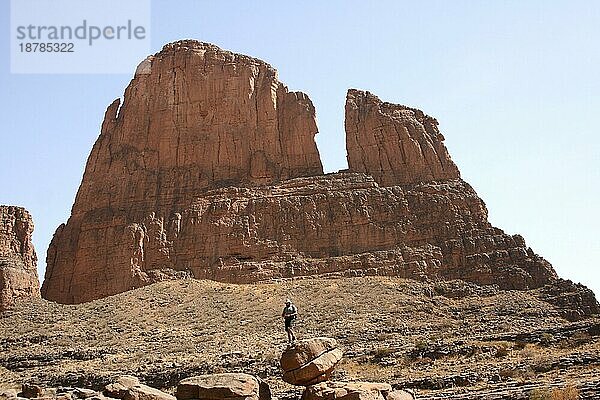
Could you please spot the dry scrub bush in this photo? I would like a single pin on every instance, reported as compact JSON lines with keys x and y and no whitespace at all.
{"x":547,"y":339}
{"x":566,"y":393}
{"x":382,"y":351}
{"x":522,"y":374}
{"x":542,"y":363}
{"x":530,"y":351}
{"x":502,"y":349}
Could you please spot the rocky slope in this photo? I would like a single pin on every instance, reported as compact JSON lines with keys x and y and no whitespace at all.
{"x":18,"y":261}
{"x":444,"y":340}
{"x":209,"y":169}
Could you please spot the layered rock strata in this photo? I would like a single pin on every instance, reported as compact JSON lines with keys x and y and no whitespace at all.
{"x":193,"y":117}
{"x":344,"y":224}
{"x":209,"y":169}
{"x":18,"y":261}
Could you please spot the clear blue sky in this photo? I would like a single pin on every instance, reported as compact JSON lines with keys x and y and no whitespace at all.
{"x":515,"y":86}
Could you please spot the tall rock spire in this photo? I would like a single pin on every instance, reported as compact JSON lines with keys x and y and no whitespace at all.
{"x":18,"y":261}
{"x":394,"y":144}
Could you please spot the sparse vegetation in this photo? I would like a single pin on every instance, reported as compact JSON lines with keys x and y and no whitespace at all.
{"x":173,"y":329}
{"x":567,"y":393}
{"x":382,"y":352}
{"x":502,"y":349}
{"x":530,"y":351}
{"x":580,"y":339}
{"x":542,"y":363}
{"x":547,"y":339}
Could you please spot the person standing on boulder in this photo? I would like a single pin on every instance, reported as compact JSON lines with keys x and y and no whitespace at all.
{"x":289,"y":314}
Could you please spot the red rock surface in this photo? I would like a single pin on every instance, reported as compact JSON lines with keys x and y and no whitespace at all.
{"x":209,"y":169}
{"x":18,"y":262}
{"x":341,"y":224}
{"x":193,"y":117}
{"x":310,"y":361}
{"x":394,"y":144}
{"x":223,"y":386}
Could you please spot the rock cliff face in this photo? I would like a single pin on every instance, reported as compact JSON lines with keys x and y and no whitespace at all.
{"x":394,"y":144}
{"x":341,"y":223}
{"x":209,"y":169}
{"x":193,"y":117}
{"x":18,"y":262}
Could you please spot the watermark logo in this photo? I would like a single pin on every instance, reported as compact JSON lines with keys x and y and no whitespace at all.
{"x":79,"y":36}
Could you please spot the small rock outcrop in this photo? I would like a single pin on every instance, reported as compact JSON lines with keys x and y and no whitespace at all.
{"x":310,"y":361}
{"x":400,"y":395}
{"x":354,"y":391}
{"x":18,"y":261}
{"x":574,"y":300}
{"x":395,"y":144}
{"x":31,"y":391}
{"x":227,"y":386}
{"x":129,"y":387}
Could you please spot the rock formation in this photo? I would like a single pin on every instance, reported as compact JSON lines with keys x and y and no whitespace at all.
{"x":226,"y":386}
{"x":348,"y":391}
{"x":129,"y":388}
{"x":354,"y":391}
{"x":209,"y":169}
{"x":18,"y":262}
{"x":310,"y":361}
{"x":395,"y":144}
{"x":193,"y":117}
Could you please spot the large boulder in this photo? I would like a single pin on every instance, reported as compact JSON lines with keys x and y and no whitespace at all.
{"x":310,"y":361}
{"x":30,"y":391}
{"x":400,"y":395}
{"x":228,"y":386}
{"x":128,"y":387}
{"x":348,"y":391}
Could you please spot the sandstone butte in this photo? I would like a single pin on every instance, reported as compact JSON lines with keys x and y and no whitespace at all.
{"x":209,"y":169}
{"x":18,"y":261}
